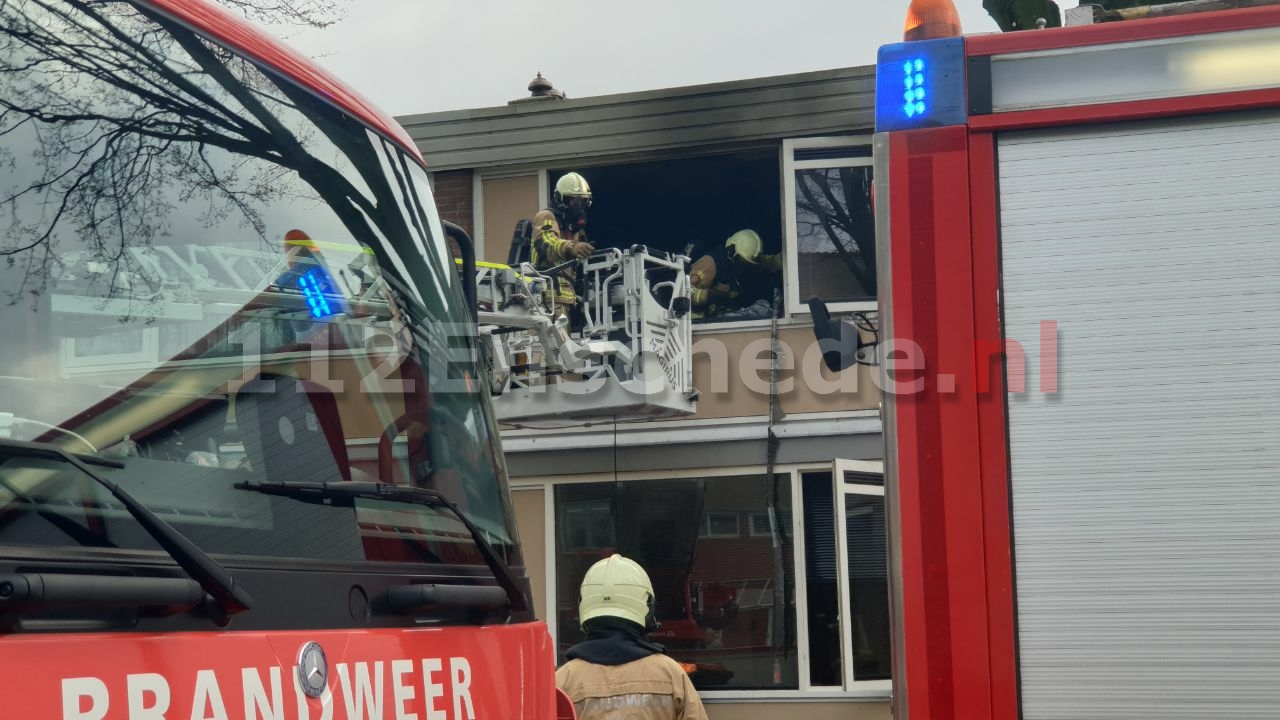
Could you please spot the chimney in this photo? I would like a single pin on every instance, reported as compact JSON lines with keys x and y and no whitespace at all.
{"x":540,"y":89}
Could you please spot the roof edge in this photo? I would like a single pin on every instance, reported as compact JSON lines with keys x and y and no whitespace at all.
{"x":594,"y":101}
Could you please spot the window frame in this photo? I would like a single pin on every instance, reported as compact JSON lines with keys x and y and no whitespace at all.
{"x":794,"y":308}
{"x":865,"y":690}
{"x":707,"y":532}
{"x":751,"y":525}
{"x":795,"y":305}
{"x":843,"y":489}
{"x":586,"y":508}
{"x":543,"y":173}
{"x":75,"y":364}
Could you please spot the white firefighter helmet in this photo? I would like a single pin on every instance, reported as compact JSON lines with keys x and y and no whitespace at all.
{"x":572,"y":185}
{"x":745,"y":244}
{"x":616,"y":587}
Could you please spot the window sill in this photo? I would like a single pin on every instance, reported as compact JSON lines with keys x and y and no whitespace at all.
{"x":798,"y":319}
{"x":748,"y":325}
{"x":846,"y":307}
{"x":711,"y":697}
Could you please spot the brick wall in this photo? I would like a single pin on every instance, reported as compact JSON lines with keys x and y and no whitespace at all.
{"x":453,"y":198}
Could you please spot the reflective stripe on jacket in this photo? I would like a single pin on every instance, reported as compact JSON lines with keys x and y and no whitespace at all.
{"x":549,"y":248}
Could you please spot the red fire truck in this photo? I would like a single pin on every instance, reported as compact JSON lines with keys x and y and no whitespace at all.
{"x":1080,"y":288}
{"x":247,"y":469}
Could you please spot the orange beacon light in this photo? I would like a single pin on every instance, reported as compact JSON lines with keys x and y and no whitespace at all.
{"x":931,"y":20}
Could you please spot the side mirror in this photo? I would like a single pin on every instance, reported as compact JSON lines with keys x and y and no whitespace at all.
{"x":468,"y":250}
{"x":842,"y":344}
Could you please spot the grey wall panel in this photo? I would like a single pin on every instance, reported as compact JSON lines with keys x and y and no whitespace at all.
{"x":1146,"y":492}
{"x":721,"y":114}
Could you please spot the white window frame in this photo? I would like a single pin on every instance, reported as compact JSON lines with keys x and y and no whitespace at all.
{"x":842,"y":490}
{"x":477,"y":212}
{"x":795,"y":304}
{"x":146,"y":358}
{"x":751,"y":525}
{"x":858,"y":690}
{"x":586,"y":508}
{"x":705,"y":531}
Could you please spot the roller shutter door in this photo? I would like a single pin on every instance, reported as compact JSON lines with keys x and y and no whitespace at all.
{"x":1146,"y":492}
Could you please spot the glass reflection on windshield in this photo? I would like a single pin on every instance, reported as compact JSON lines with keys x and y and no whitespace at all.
{"x":216,"y":277}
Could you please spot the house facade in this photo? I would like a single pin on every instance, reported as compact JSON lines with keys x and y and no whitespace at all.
{"x":760,"y":517}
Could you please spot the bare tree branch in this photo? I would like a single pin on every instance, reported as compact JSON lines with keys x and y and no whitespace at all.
{"x":121,"y":113}
{"x":316,"y":14}
{"x":833,"y":217}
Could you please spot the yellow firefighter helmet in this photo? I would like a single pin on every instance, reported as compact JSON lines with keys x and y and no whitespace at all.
{"x":745,"y":244}
{"x":616,"y":587}
{"x":572,"y":185}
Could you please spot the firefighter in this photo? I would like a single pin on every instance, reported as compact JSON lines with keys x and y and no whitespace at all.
{"x":734,"y":277}
{"x":560,"y":235}
{"x":719,"y":608}
{"x":616,"y":673}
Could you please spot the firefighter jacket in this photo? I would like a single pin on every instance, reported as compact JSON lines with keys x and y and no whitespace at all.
{"x":550,"y":247}
{"x":734,"y":284}
{"x":651,"y":688}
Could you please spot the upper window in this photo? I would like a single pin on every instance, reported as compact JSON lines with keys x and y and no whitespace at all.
{"x":586,"y":525}
{"x":693,"y":206}
{"x":761,"y":526}
{"x":829,"y":224}
{"x":720,"y":525}
{"x":811,"y":212}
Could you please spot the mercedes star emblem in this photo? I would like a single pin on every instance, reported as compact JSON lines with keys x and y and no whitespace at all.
{"x":313,"y":670}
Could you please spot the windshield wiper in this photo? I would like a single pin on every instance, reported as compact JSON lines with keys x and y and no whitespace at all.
{"x":212,"y":577}
{"x":404,"y":494}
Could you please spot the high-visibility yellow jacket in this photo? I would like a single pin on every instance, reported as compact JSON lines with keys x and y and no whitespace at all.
{"x":550,"y":247}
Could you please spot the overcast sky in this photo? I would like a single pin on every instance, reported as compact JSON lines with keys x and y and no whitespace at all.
{"x":416,"y":56}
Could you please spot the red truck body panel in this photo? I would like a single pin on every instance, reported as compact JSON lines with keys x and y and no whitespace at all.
{"x":958,"y":652}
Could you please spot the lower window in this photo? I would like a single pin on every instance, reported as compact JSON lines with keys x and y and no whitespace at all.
{"x":722,"y":554}
{"x":724,"y":595}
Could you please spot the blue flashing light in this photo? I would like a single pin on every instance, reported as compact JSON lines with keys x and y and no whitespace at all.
{"x":916,"y":89}
{"x":933,"y":85}
{"x":313,"y":284}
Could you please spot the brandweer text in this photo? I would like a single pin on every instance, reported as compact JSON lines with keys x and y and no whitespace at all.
{"x":429,"y":689}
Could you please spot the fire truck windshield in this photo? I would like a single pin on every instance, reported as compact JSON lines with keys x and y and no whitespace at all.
{"x":213,"y":277}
